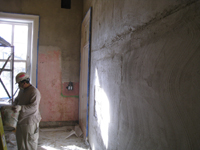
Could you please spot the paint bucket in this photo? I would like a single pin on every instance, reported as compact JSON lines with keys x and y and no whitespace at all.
{"x":9,"y":118}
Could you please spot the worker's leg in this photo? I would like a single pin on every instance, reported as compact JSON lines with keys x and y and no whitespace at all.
{"x":27,"y":136}
{"x":20,"y":137}
{"x":33,"y":135}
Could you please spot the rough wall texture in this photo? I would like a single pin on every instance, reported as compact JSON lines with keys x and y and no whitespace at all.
{"x":54,"y":106}
{"x":59,"y":46}
{"x":145,"y":76}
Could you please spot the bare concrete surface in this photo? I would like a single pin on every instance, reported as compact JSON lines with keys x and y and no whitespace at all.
{"x":145,"y":81}
{"x":62,"y":138}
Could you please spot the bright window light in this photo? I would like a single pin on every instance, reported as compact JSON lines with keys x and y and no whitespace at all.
{"x":21,"y":41}
{"x":49,"y":147}
{"x":93,"y":147}
{"x":73,"y":147}
{"x":69,"y":147}
{"x":102,"y":110}
{"x":6,"y":32}
{"x":21,"y":31}
{"x":16,"y":34}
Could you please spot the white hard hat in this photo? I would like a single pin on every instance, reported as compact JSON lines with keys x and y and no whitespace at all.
{"x":21,"y":76}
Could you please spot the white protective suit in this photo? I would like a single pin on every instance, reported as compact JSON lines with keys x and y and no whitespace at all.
{"x":27,"y":132}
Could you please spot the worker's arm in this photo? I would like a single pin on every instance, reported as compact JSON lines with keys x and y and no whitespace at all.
{"x":16,"y":107}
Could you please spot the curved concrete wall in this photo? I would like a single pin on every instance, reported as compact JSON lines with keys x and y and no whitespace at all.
{"x":145,"y":75}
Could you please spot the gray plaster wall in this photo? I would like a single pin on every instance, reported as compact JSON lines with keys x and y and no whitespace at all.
{"x":145,"y":61}
{"x":59,"y":28}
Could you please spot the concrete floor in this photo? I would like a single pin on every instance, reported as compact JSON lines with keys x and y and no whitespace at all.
{"x":52,"y":139}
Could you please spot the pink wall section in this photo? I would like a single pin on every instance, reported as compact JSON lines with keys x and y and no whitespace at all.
{"x":54,"y":105}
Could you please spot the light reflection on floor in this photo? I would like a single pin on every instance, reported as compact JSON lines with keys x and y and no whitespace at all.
{"x":70,"y":147}
{"x":56,"y":140}
{"x":53,"y":140}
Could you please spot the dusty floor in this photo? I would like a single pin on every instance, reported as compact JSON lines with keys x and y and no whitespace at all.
{"x":62,"y":138}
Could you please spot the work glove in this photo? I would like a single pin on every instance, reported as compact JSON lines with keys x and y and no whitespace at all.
{"x":17,"y":108}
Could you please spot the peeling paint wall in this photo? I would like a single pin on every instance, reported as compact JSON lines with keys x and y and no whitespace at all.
{"x":54,"y":105}
{"x":58,"y":56}
{"x":145,"y":80}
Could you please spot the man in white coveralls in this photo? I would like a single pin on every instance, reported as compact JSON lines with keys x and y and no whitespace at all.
{"x":27,"y":103}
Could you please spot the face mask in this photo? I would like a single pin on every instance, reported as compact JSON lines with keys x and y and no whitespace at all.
{"x":20,"y":86}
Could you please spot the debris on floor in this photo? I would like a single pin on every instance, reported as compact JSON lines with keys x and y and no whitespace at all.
{"x":61,"y":138}
{"x":11,"y":140}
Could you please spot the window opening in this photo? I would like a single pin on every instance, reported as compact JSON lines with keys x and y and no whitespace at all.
{"x":21,"y":31}
{"x":17,"y":35}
